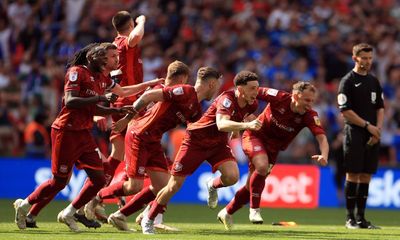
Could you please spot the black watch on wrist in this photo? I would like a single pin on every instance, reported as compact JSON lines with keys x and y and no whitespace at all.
{"x":366,"y":124}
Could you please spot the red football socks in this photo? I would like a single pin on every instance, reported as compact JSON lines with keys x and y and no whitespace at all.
{"x":257,"y":184}
{"x":138,"y":202}
{"x":241,"y":198}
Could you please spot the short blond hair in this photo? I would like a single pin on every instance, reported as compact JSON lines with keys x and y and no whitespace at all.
{"x":177,"y":68}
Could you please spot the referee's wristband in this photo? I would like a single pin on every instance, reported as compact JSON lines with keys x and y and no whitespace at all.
{"x":366,"y":124}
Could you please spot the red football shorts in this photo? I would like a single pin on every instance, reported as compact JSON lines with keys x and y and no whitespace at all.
{"x":141,"y":156}
{"x":191,"y":155}
{"x":253,"y":146}
{"x":73,"y":147}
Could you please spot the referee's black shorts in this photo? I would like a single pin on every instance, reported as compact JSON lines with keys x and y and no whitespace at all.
{"x":358,"y":157}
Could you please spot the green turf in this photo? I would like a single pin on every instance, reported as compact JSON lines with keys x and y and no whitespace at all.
{"x":199,"y":222}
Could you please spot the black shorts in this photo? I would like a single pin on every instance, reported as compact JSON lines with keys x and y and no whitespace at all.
{"x":358,"y":156}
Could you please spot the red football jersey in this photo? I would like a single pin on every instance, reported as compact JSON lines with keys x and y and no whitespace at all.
{"x":130,"y":63}
{"x":180,"y":105}
{"x":279,"y":124}
{"x":206,"y":131}
{"x":88,"y":84}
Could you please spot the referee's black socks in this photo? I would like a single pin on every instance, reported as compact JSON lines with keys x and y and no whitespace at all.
{"x":350,"y":191}
{"x":362,"y":195}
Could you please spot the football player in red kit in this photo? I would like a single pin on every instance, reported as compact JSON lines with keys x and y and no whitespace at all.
{"x":176,"y":103}
{"x":72,"y":142}
{"x":207,"y":139}
{"x":283,"y":118}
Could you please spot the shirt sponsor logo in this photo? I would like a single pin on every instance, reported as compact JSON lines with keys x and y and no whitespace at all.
{"x":227,"y":103}
{"x":73,"y":76}
{"x":178,"y":91}
{"x":279,"y":125}
{"x":341,"y":99}
{"x":91,"y":92}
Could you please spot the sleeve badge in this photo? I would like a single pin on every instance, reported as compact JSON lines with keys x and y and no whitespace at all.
{"x":73,"y":76}
{"x":341,"y":99}
{"x":227,"y":103}
{"x":178,"y":91}
{"x":272,"y":92}
{"x":317,"y":121}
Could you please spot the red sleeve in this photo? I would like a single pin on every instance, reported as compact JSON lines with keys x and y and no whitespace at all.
{"x":179,"y":93}
{"x":270,"y":94}
{"x":73,"y":79}
{"x":225,"y":105}
{"x":313,"y":123}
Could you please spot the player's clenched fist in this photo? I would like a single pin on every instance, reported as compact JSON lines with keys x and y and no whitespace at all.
{"x":140,"y":19}
{"x":255,"y":125}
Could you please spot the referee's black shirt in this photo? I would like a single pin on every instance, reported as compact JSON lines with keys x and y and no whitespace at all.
{"x":362,"y":94}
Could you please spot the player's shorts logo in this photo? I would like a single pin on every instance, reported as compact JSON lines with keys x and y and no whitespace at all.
{"x":178,"y":167}
{"x":63,"y":168}
{"x":141,"y":170}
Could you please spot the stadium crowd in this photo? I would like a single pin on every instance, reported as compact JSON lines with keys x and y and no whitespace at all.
{"x":282,"y":41}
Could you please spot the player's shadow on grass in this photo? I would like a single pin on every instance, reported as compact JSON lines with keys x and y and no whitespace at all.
{"x":288,"y":233}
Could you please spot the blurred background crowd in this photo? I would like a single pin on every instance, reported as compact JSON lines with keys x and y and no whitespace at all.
{"x":282,"y":41}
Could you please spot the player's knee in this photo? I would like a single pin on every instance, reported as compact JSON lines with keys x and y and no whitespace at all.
{"x":262,"y":169}
{"x":134,"y":187}
{"x":230,"y":179}
{"x":157,"y":187}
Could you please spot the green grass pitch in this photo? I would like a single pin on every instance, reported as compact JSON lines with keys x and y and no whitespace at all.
{"x":199,"y":222}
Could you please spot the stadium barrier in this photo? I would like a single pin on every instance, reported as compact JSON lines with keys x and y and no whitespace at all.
{"x":288,"y":186}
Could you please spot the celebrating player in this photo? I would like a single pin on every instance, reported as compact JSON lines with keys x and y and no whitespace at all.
{"x":207,"y":139}
{"x":283,"y":118}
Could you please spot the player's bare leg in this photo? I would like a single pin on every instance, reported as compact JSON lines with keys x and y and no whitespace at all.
{"x":160,"y":203}
{"x":229,"y":176}
{"x":110,"y":165}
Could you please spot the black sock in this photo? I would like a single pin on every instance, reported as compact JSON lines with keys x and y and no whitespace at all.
{"x":362,"y":195}
{"x":350,"y":189}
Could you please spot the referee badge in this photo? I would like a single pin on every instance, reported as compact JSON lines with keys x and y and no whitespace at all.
{"x":341,"y":99}
{"x":373,"y":97}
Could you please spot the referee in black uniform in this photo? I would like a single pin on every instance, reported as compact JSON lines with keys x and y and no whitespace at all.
{"x":360,"y":100}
